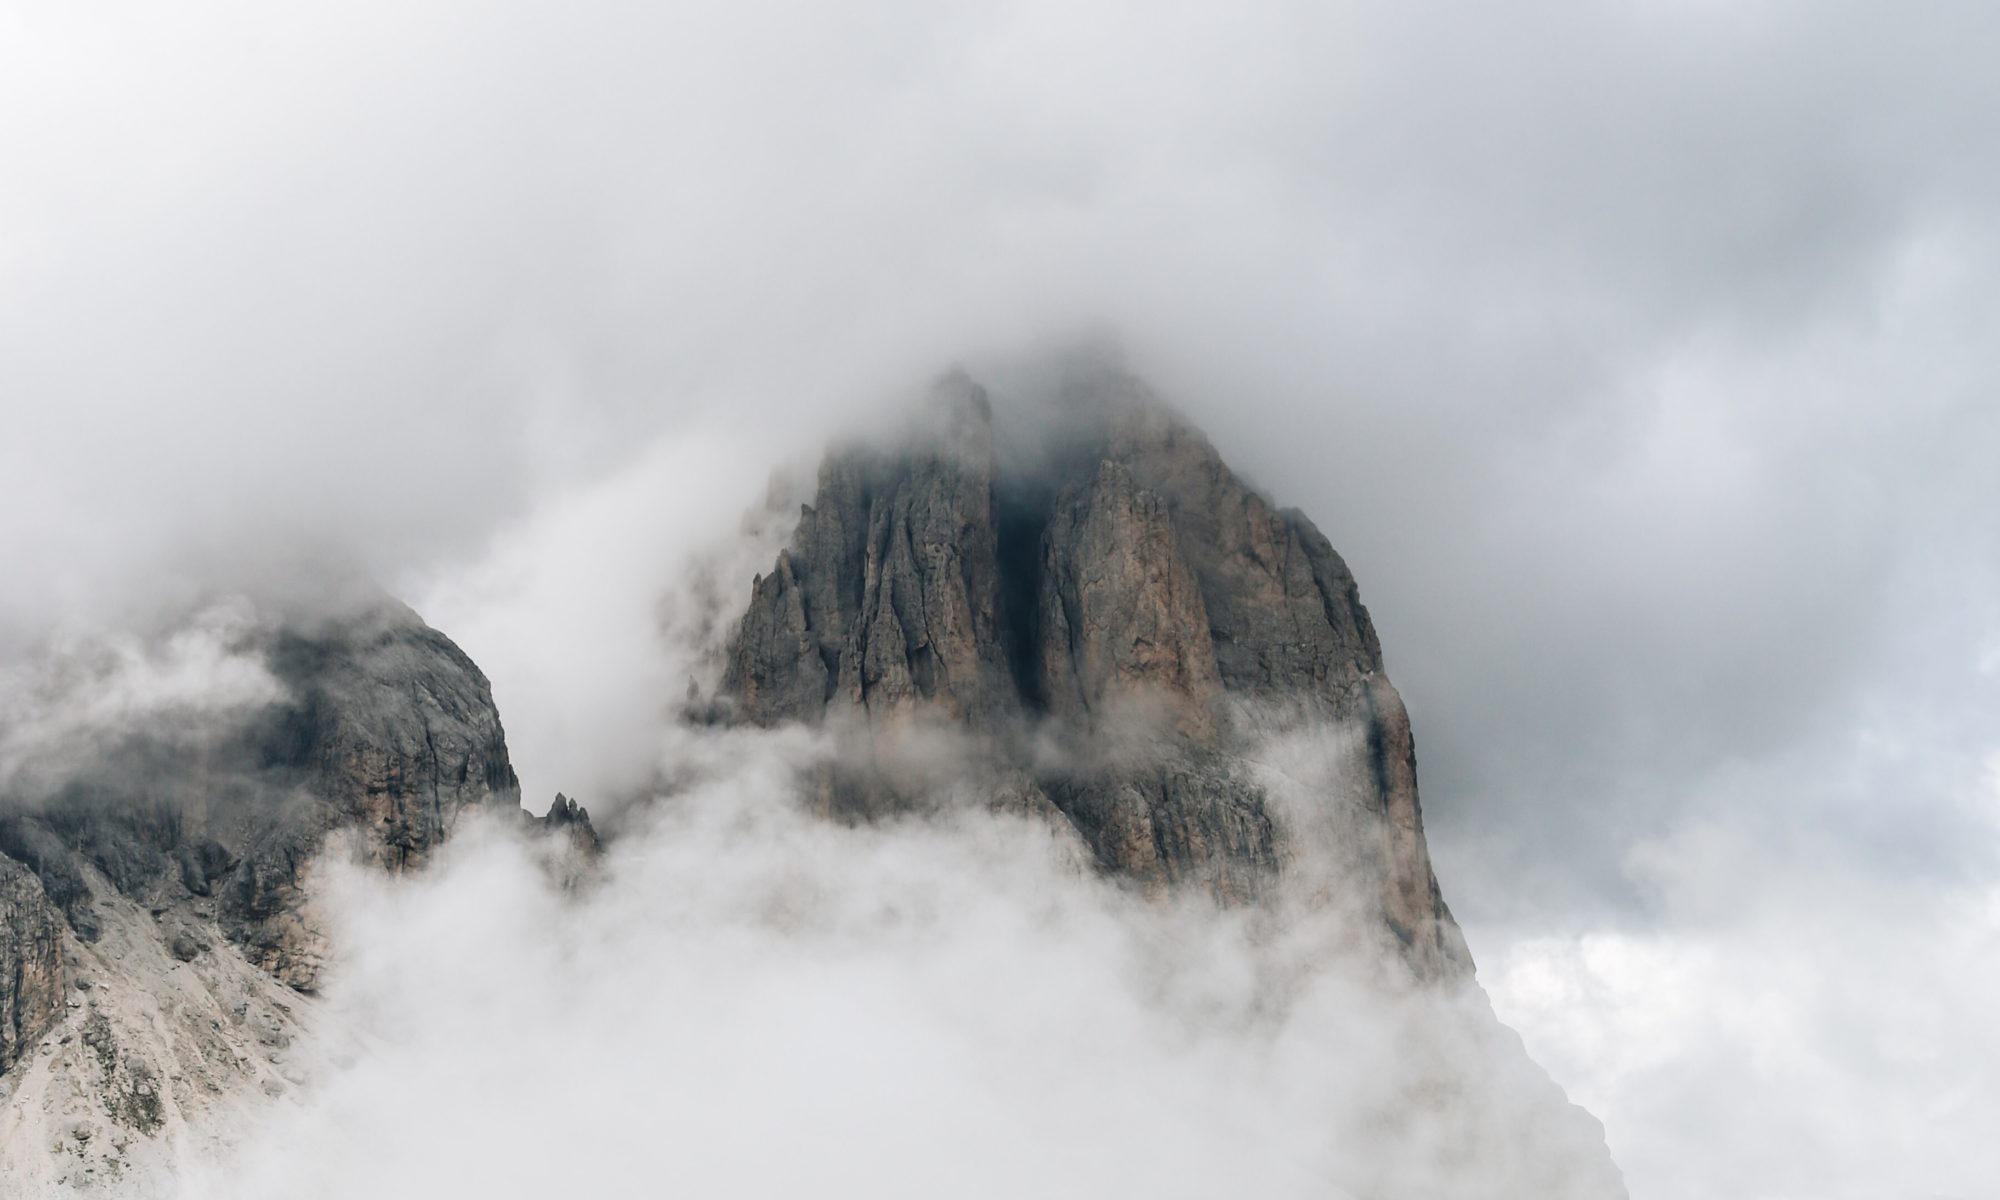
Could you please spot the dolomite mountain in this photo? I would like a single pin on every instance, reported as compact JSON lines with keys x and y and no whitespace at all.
{"x":1093,"y":620}
{"x":1116,"y":585}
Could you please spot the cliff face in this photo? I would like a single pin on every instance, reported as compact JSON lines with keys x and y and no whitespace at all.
{"x":390,"y":733}
{"x":1120,"y":591}
{"x":32,"y":982}
{"x":889,"y":600}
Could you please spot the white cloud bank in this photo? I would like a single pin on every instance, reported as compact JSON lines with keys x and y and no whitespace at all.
{"x":753,"y":1002}
{"x":1793,"y":1024}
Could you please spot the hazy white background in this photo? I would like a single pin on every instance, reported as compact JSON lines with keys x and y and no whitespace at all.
{"x":1639,"y":357}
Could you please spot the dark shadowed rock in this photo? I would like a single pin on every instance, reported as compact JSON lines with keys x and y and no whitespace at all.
{"x":184,"y":945}
{"x":571,"y":820}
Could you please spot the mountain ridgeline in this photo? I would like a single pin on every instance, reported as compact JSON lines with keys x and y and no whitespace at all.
{"x":1114,"y":591}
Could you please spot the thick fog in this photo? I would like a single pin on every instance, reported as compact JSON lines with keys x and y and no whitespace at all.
{"x":748,"y":1000}
{"x":1639,"y":359}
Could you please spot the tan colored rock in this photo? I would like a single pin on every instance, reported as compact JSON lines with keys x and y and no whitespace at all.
{"x":1122,"y":625}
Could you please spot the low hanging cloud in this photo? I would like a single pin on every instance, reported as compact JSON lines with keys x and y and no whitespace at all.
{"x":1628,"y":355}
{"x":1795,"y":1024}
{"x":752,"y":1000}
{"x":89,"y":692}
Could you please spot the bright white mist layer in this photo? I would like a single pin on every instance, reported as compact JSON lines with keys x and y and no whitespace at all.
{"x":753,"y":1002}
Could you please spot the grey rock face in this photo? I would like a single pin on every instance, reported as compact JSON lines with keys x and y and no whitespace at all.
{"x":387,"y":733}
{"x":1126,"y":591}
{"x":31,"y":963}
{"x":392,"y":726}
{"x":889,"y":599}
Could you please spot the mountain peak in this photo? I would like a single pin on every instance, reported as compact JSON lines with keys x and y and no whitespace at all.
{"x":1103,"y":581}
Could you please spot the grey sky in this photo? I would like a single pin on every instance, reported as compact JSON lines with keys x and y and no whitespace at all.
{"x":1639,"y":357}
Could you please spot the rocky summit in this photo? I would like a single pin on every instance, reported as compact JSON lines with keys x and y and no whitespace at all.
{"x":1118,"y":622}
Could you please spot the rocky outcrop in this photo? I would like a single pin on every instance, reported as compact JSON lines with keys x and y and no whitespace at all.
{"x":31,"y":964}
{"x":1117,"y":592}
{"x":571,"y":820}
{"x":386,"y":735}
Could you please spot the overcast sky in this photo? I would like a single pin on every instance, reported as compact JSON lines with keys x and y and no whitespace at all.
{"x":1639,"y":357}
